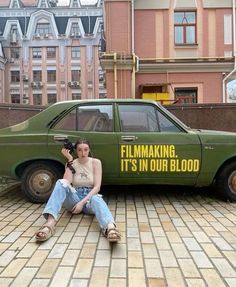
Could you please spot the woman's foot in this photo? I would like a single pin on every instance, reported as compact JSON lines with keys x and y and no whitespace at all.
{"x":112,"y":233}
{"x":45,"y":232}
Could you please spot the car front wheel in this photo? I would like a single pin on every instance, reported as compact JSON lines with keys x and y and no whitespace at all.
{"x":38,"y":180}
{"x":226,"y":182}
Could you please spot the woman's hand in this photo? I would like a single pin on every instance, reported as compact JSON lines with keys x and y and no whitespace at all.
{"x":66,"y":153}
{"x":77,"y":208}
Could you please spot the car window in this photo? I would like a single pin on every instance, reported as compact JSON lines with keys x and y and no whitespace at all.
{"x":96,"y":118}
{"x":138,"y":118}
{"x":165,"y":124}
{"x":144,"y":118}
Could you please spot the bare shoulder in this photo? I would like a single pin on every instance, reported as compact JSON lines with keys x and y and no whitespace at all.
{"x":96,"y":162}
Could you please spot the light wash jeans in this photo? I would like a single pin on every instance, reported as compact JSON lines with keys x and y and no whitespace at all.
{"x":64,"y":195}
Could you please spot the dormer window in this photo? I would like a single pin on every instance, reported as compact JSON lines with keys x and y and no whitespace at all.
{"x":43,"y":4}
{"x":43,"y":29}
{"x":13,"y":34}
{"x":15,"y":4}
{"x":75,"y":32}
{"x":75,"y":4}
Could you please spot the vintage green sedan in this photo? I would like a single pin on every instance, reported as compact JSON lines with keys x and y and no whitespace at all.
{"x":139,"y":142}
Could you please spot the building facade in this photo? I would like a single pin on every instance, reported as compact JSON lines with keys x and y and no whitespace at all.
{"x":49,"y":53}
{"x":170,"y":50}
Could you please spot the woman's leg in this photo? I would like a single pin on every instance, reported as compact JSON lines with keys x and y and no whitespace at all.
{"x":62,"y":193}
{"x":99,"y":207}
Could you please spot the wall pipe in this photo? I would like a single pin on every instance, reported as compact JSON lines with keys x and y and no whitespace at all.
{"x":234,"y":54}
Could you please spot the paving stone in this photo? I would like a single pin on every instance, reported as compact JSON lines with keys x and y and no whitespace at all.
{"x":102,"y":258}
{"x":39,"y":283}
{"x":61,"y":277}
{"x":135,"y":259}
{"x":83,"y":268}
{"x":153,"y":268}
{"x":114,"y":282}
{"x":136,"y":277}
{"x":167,"y":258}
{"x":174,"y":277}
{"x":24,"y":278}
{"x":195,"y":283}
{"x":70,"y":257}
{"x":225,"y":269}
{"x":48,"y":268}
{"x":118,"y":268}
{"x":188,"y":268}
{"x":7,"y":257}
{"x":99,"y":277}
{"x":13,"y":268}
{"x":212,"y":278}
{"x":201,"y":259}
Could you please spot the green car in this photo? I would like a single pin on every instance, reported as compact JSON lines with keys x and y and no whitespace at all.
{"x":138,"y":142}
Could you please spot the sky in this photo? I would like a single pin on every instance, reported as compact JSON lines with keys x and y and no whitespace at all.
{"x":66,"y":2}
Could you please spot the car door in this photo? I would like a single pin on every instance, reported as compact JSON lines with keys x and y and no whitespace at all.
{"x":154,"y":148}
{"x":95,"y":123}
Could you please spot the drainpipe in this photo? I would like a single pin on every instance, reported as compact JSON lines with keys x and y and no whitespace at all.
{"x":115,"y":75}
{"x":132,"y":51}
{"x":234,"y":54}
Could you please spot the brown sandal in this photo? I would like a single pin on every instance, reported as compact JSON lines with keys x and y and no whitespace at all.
{"x":46,"y":231}
{"x":113,"y":235}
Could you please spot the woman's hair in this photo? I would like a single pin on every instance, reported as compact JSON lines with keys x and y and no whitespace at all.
{"x":82,"y":141}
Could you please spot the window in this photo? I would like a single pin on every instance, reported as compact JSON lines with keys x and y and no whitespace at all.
{"x":51,"y":52}
{"x":15,"y":4}
{"x":75,"y":4}
{"x":96,"y":118}
{"x":51,"y":76}
{"x":186,"y":95}
{"x":15,"y":53}
{"x":144,"y":118}
{"x":75,"y":29}
{"x":43,"y":28}
{"x":75,"y":75}
{"x":37,"y":53}
{"x":52,"y":98}
{"x":15,"y":76}
{"x":76,"y":96}
{"x":37,"y":99}
{"x":228,"y":29}
{"x":75,"y":52}
{"x":43,"y":4}
{"x":15,"y":99}
{"x":37,"y":76}
{"x":185,"y":28}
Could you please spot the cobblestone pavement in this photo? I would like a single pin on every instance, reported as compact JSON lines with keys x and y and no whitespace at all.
{"x":169,"y":239}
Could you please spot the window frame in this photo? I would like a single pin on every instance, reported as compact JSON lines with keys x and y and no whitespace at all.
{"x":184,"y":27}
{"x":36,"y":53}
{"x":15,"y":76}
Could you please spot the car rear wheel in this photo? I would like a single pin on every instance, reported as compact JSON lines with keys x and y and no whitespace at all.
{"x":226,"y":182}
{"x":38,"y":180}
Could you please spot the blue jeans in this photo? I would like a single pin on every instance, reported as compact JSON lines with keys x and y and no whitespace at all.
{"x":63,"y":195}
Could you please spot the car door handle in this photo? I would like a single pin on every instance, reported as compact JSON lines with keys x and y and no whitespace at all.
{"x":129,"y":138}
{"x":60,"y":138}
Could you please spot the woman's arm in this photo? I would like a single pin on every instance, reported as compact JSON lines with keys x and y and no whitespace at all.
{"x":68,"y":175}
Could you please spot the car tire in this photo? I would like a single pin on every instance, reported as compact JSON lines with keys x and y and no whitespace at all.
{"x":226,"y":182}
{"x":38,"y":180}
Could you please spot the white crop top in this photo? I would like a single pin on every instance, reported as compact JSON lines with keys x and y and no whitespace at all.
{"x":83,"y":173}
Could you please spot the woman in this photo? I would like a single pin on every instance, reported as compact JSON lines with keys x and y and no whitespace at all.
{"x":78,"y":192}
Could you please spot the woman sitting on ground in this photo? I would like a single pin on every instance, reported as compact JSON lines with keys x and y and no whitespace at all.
{"x":78,"y":192}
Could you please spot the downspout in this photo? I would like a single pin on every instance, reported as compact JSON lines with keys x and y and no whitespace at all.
{"x":132,"y":51}
{"x":234,"y":55}
{"x":115,"y":75}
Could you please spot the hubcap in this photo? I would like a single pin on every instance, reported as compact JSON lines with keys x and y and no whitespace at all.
{"x":41,"y":182}
{"x":232,"y":182}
